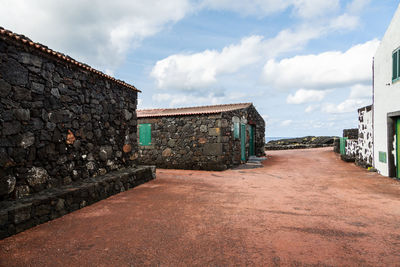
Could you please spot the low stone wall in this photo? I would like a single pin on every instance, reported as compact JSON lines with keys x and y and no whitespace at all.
{"x":59,"y":122}
{"x":336,"y":145}
{"x":19,"y":215}
{"x":351,"y":133}
{"x":202,"y":141}
{"x":300,"y":143}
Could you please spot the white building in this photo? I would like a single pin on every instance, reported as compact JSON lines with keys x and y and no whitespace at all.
{"x":386,"y":101}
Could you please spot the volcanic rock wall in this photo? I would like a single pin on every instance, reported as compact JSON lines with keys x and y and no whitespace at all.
{"x":204,"y":141}
{"x":59,"y":122}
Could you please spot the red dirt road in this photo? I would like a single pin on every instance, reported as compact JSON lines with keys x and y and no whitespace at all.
{"x":303,"y":208}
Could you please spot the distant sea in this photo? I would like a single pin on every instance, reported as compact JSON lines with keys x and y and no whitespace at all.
{"x":267,"y":139}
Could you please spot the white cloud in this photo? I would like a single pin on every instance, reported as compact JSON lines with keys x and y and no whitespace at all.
{"x":96,"y":32}
{"x":305,"y":96}
{"x":200,"y":70}
{"x":250,"y":7}
{"x":345,"y":21}
{"x":349,"y":105}
{"x":286,"y":123}
{"x":360,"y":96}
{"x":322,"y":71}
{"x":311,"y":108}
{"x":315,"y":8}
{"x":301,"y":8}
{"x":357,"y":5}
{"x":184,"y":99}
{"x":360,"y":91}
{"x":189,"y":71}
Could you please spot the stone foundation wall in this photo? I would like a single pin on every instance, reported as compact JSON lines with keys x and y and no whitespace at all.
{"x":204,"y":142}
{"x":59,"y":123}
{"x":365,"y":139}
{"x":352,"y":148}
{"x":21,"y":214}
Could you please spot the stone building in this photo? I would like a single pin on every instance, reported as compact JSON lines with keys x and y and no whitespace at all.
{"x":206,"y":137}
{"x":349,"y":144}
{"x":357,"y":144}
{"x":64,"y":126}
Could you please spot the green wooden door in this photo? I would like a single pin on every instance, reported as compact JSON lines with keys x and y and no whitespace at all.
{"x":343,"y":145}
{"x":251,"y":140}
{"x":398,"y":147}
{"x":243,"y":142}
{"x":145,"y":134}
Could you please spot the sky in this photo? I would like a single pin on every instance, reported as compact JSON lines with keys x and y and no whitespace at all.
{"x":306,"y":65}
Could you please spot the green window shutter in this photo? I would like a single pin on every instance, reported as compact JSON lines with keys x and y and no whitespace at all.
{"x":398,"y":64}
{"x":395,"y":66}
{"x":236,"y":130}
{"x":145,"y":134}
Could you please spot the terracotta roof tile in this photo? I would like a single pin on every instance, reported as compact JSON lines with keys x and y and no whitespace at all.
{"x":162,"y":112}
{"x":28,"y":42}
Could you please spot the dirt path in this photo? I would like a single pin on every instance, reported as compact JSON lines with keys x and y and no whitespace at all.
{"x":304,"y":208}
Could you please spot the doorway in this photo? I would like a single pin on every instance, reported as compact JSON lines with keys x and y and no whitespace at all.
{"x":393,"y":144}
{"x":243,"y":142}
{"x":251,"y":140}
{"x":397,"y":147}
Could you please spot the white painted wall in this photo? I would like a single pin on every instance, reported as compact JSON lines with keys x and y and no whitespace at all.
{"x":386,"y":97}
{"x":365,"y":142}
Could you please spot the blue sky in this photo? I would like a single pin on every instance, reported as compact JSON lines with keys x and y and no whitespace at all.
{"x":305,"y":64}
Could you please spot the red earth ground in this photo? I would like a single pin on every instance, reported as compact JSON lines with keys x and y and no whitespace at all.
{"x":303,"y":208}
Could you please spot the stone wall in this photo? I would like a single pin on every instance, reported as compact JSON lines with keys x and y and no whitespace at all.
{"x":365,"y":139}
{"x":301,"y":142}
{"x":351,"y":133}
{"x":21,"y":214}
{"x":352,"y":148}
{"x":60,"y":123}
{"x":204,"y":141}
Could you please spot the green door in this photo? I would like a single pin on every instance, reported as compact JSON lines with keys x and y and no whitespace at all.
{"x":397,"y":147}
{"x":145,"y":134}
{"x":243,"y":142}
{"x":251,"y":140}
{"x":343,"y":145}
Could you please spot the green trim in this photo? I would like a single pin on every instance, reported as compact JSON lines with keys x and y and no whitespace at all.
{"x":236,"y":130}
{"x":243,"y":142}
{"x":397,"y":147}
{"x":396,"y":65}
{"x":382,"y":157}
{"x":145,"y":134}
{"x":343,"y":145}
{"x":251,"y":140}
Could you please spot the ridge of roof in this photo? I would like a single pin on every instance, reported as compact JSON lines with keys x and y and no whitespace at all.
{"x":44,"y":49}
{"x":210,"y":109}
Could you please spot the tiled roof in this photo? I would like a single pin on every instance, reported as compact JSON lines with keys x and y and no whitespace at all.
{"x":162,"y":112}
{"x":44,"y":49}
